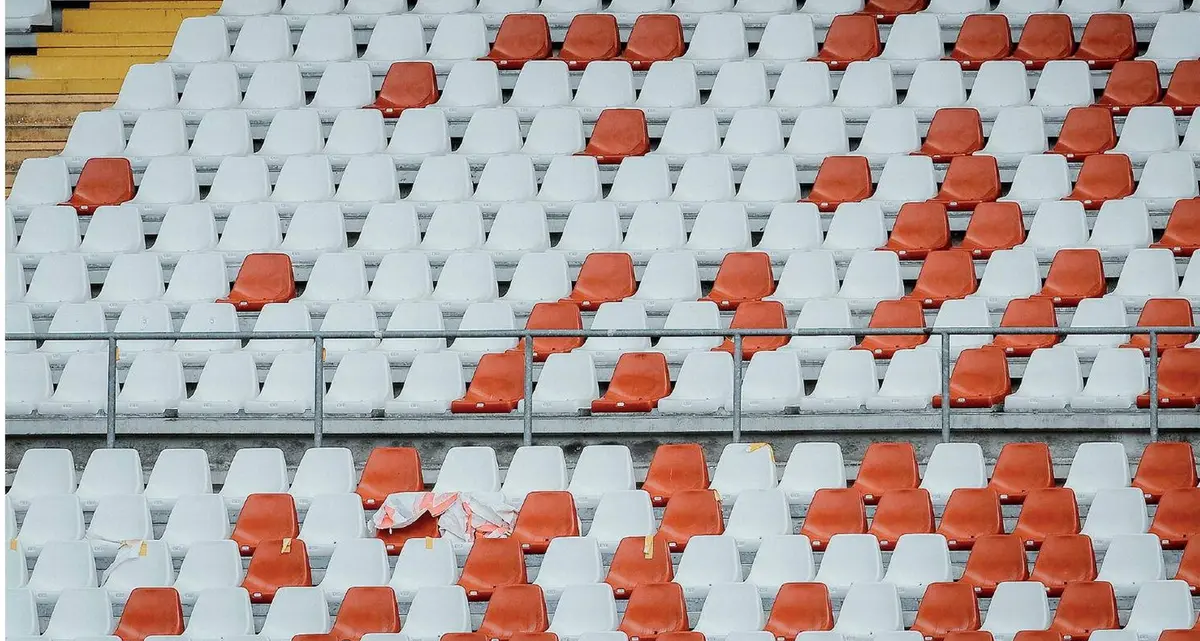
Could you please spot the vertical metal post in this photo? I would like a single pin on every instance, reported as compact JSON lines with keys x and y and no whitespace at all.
{"x":111,"y":411}
{"x":737,"y":388}
{"x":527,"y":393}
{"x":1153,"y":385}
{"x":945,"y":388}
{"x":318,"y":390}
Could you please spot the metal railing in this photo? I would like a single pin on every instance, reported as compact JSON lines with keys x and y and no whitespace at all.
{"x":737,"y":336}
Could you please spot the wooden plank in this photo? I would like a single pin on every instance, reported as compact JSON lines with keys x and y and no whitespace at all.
{"x":126,"y":20}
{"x":85,"y":40}
{"x":62,"y":86}
{"x":71,"y":67}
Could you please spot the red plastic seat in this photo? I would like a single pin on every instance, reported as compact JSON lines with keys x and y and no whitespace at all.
{"x":759,"y":314}
{"x":496,"y":387}
{"x":1037,"y":635}
{"x":970,"y":514}
{"x":970,"y":180}
{"x":102,"y":182}
{"x":277,"y":563}
{"x":885,"y":11}
{"x":983,"y":37}
{"x":953,"y":132}
{"x":834,"y":511}
{"x":1180,"y":635}
{"x":1163,"y":312}
{"x":1075,"y":274}
{"x":690,"y":513}
{"x":1027,"y":312}
{"x":425,"y":527}
{"x":654,"y":37}
{"x":603,"y":278}
{"x":1063,"y":559}
{"x":1182,"y":234}
{"x":850,"y":38}
{"x":1086,"y":131}
{"x":674,"y":468}
{"x":886,"y":467}
{"x":591,"y":36}
{"x":1165,"y":467}
{"x":742,"y":277}
{"x":638,"y":561}
{"x":800,"y":607}
{"x":1178,"y":379}
{"x":522,"y":37}
{"x":534,"y":636}
{"x":1085,"y":608}
{"x":1020,"y":469}
{"x":993,"y":226}
{"x":902,"y":512}
{"x":654,"y":609}
{"x":407,"y":85}
{"x":841,"y":179}
{"x":490,"y":564}
{"x":545,"y":516}
{"x":262,"y":279}
{"x":920,"y":228}
{"x":894,"y":314}
{"x":683,"y":635}
{"x":946,"y":608}
{"x":1177,"y":520}
{"x":149,"y":612}
{"x":1103,"y":177}
{"x":1189,"y":567}
{"x":995,"y":559}
{"x":514,"y":609}
{"x":1045,"y":37}
{"x":1183,"y":91}
{"x":389,"y":470}
{"x":364,"y":610}
{"x":557,"y":315}
{"x":970,"y":635}
{"x":618,"y":134}
{"x":461,"y":636}
{"x":1108,"y":38}
{"x":945,"y":275}
{"x":1047,"y":512}
{"x":265,"y":517}
{"x":638,"y":382}
{"x":1131,"y":83}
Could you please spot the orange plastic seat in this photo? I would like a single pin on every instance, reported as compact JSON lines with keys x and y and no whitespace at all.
{"x":556,"y":315}
{"x":277,"y":563}
{"x":364,"y":610}
{"x":894,"y":314}
{"x":1165,"y":467}
{"x":759,"y":314}
{"x":461,"y":636}
{"x":850,"y":38}
{"x":1027,"y":312}
{"x":638,"y":382}
{"x":841,"y":179}
{"x":389,"y":470}
{"x":970,"y":180}
{"x":1075,"y":274}
{"x":103,"y":181}
{"x":264,"y":517}
{"x":1177,"y":521}
{"x":425,"y":527}
{"x":1085,"y":608}
{"x":886,"y":467}
{"x":591,"y":36}
{"x":995,"y":559}
{"x":970,"y":514}
{"x":834,"y":511}
{"x":690,"y":513}
{"x":496,"y":387}
{"x":149,"y":612}
{"x":407,"y":85}
{"x":1163,"y":312}
{"x":1047,"y":512}
{"x":800,"y":607}
{"x":262,"y":279}
{"x":674,"y":468}
{"x":534,"y":636}
{"x":902,"y":512}
{"x":1180,"y":635}
{"x":618,"y":134}
{"x":654,"y":37}
{"x":920,"y":228}
{"x":1182,"y":234}
{"x":1086,"y":131}
{"x":1108,"y":38}
{"x":945,"y":275}
{"x":682,"y":635}
{"x":654,"y":609}
{"x":885,"y":11}
{"x":514,"y":609}
{"x":522,"y":37}
{"x":993,"y":226}
{"x":1189,"y":567}
{"x":983,"y":37}
{"x":742,"y":277}
{"x":603,"y":278}
{"x":1045,"y":37}
{"x":638,"y":561}
{"x":946,"y":608}
{"x":1037,"y":635}
{"x":953,"y":132}
{"x":1103,"y":177}
{"x":490,"y":564}
{"x":970,"y":635}
{"x":1183,"y":91}
{"x":545,"y":516}
{"x":1131,"y":83}
{"x":1178,"y":379}
{"x":1063,"y":559}
{"x":1020,"y":469}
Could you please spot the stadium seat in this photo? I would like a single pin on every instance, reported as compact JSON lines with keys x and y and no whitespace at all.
{"x":1097,"y":466}
{"x":219,"y":610}
{"x":969,"y":515}
{"x":704,"y":385}
{"x":763,"y":514}
{"x":547,"y":515}
{"x":716,"y":38}
{"x":583,"y":609}
{"x":1017,"y":606}
{"x":423,"y":563}
{"x":61,"y":565}
{"x":109,"y":472}
{"x":1161,"y":605}
{"x":1177,"y":384}
{"x":944,"y":275}
{"x":1085,"y":607}
{"x":57,"y":517}
{"x":263,"y":279}
{"x":809,"y":275}
{"x":1175,"y":522}
{"x":103,"y":181}
{"x":709,"y":560}
{"x":535,"y":469}
{"x":1181,"y":94}
{"x":1115,"y":512}
{"x":1103,"y":178}
{"x":731,"y":608}
{"x":1148,"y":130}
{"x":945,"y":608}
{"x":969,"y":182}
{"x":1131,"y":561}
{"x":1075,"y":275}
{"x":41,"y":472}
{"x":1086,"y":131}
{"x":1052,"y":378}
{"x":982,"y":38}
{"x":1044,"y":37}
{"x":675,"y":468}
{"x":869,"y":609}
{"x":819,"y":131}
{"x":521,"y":38}
{"x":196,"y":518}
{"x":621,"y":514}
{"x":79,"y":612}
{"x":1163,"y":312}
{"x":265,"y":517}
{"x":786,"y":38}
{"x":150,"y":611}
{"x":1179,"y":236}
{"x":255,"y":471}
{"x":1063,"y":559}
{"x":919,"y":561}
{"x":901,"y":512}
{"x":639,"y":561}
{"x":618,"y":134}
{"x":653,"y":38}
{"x":1046,"y":512}
{"x":919,"y":229}
{"x":834,"y":511}
{"x":437,"y":610}
{"x":1167,"y":178}
{"x":851,"y":38}
{"x":601,"y":469}
{"x":841,"y":179}
{"x":812,"y":467}
{"x":275,"y":564}
{"x":332,"y":519}
{"x":1164,"y":467}
{"x":639,"y":381}
{"x":995,"y":559}
{"x":798,"y":608}
{"x":177,"y":473}
{"x":492,"y":563}
{"x":119,"y":517}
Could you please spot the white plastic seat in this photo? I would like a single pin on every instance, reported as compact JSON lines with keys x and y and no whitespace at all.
{"x":356,"y":132}
{"x":569,"y":561}
{"x":855,"y":227}
{"x":52,"y":517}
{"x":219,"y":611}
{"x":357,"y":316}
{"x":891,"y":131}
{"x":846,"y":381}
{"x":49,"y":229}
{"x":239,"y":180}
{"x":506,"y":179}
{"x":292,"y":132}
{"x":617,"y":315}
{"x":1097,"y":312}
{"x":966,"y":312}
{"x":569,"y":180}
{"x":620,"y":514}
{"x":207,"y":317}
{"x":812,"y":467}
{"x":1039,"y":179}
{"x":210,"y":86}
{"x":62,"y":565}
{"x":264,"y":38}
{"x":1117,"y":377}
{"x":1113,"y":512}
{"x":865,"y":86}
{"x":704,"y":385}
{"x":471,"y":84}
{"x":82,"y":387}
{"x":437,"y":610}
{"x":18,"y":320}
{"x":669,"y":85}
{"x":402,"y":278}
{"x":467,"y":277}
{"x":584,"y":608}
{"x":1063,"y":84}
{"x":1147,"y":130}
{"x":935,"y":84}
{"x":541,"y":84}
{"x":826,"y":9}
{"x":912,"y":379}
{"x":280,"y":317}
{"x":717,"y":38}
{"x":80,"y":612}
{"x":272,"y":86}
{"x":689,"y":132}
{"x":1121,"y":226}
{"x":412,"y":315}
{"x":458,"y":37}
{"x":361,"y":384}
{"x":1052,"y":377}
{"x":419,"y":133}
{"x":869,"y":609}
{"x":322,"y":471}
{"x":850,"y":559}
{"x":58,"y":279}
{"x":198,"y":278}
{"x":1008,"y":274}
{"x":95,"y":134}
{"x":919,"y":559}
{"x":738,"y":85}
{"x":254,"y":470}
{"x":759,"y":515}
{"x":41,"y":181}
{"x":1056,"y":225}
{"x":904,"y":179}
{"x":177,"y":473}
{"x":605,"y":83}
{"x":704,"y":179}
{"x":1016,"y":606}
{"x":1146,"y":274}
{"x":601,"y":469}
{"x":1161,"y":605}
{"x":118,"y":518}
{"x":1131,"y":561}
{"x":568,"y":384}
{"x":768,"y":180}
{"x":388,"y":228}
{"x":689,"y":315}
{"x":196,"y":520}
{"x":554,"y":132}
{"x":423,"y":564}
{"x":744,"y":467}
{"x":109,"y":472}
{"x":1097,"y":466}
{"x":199,"y":39}
{"x":786,"y":38}
{"x":434,"y":380}
{"x":669,"y":278}
{"x":157,"y":133}
{"x":818,"y":314}
{"x":22,"y":614}
{"x":871,"y":277}
{"x":492,"y":132}
{"x":151,"y":569}
{"x":146,"y":87}
{"x":781,"y":559}
{"x":539,"y":276}
{"x":304,"y":180}
{"x":325,"y":39}
{"x":807,"y":275}
{"x":168,"y":180}
{"x":953,"y":466}
{"x":112,"y":230}
{"x":495,"y":315}
{"x":441,"y":179}
{"x":753,"y":131}
{"x":337,"y":276}
{"x":589,"y":227}
{"x":296,"y":610}
{"x":1016,"y":133}
{"x":654,"y":227}
{"x":27,"y":383}
{"x":773,"y":381}
{"x":1169,"y":44}
{"x":535,"y":468}
{"x":468,"y":469}
{"x":332,"y":520}
{"x":41,"y":472}
{"x":914,"y":38}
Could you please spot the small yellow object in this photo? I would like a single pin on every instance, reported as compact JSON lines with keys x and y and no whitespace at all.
{"x":648,"y":547}
{"x":287,"y":546}
{"x":754,"y":447}
{"x":142,"y":549}
{"x":322,"y":354}
{"x":717,"y":495}
{"x":118,"y":353}
{"x":429,"y":543}
{"x":12,"y":544}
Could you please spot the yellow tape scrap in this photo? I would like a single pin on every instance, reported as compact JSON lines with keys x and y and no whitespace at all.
{"x":648,"y":547}
{"x":286,"y":548}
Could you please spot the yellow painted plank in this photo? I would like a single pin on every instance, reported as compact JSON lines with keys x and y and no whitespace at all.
{"x":127,"y":52}
{"x":110,"y":5}
{"x":52,"y":40}
{"x":54,"y":67}
{"x":126,"y":20}
{"x":62,"y":86}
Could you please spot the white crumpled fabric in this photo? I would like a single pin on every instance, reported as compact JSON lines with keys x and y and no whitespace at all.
{"x":462,"y":516}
